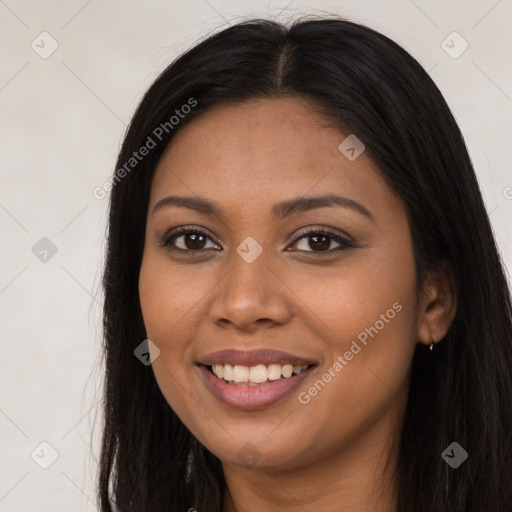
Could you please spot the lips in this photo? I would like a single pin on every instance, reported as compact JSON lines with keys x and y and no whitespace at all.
{"x":246,"y":395}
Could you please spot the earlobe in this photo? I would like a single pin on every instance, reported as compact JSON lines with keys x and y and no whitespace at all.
{"x":438,"y":306}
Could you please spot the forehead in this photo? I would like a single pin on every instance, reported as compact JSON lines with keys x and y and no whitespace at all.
{"x":265,"y":151}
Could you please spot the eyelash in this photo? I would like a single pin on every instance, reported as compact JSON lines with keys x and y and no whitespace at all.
{"x":184,"y":230}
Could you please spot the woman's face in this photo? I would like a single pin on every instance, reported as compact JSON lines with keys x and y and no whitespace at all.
{"x":255,"y":295}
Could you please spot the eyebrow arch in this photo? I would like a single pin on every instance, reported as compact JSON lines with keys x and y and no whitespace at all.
{"x":279,"y":211}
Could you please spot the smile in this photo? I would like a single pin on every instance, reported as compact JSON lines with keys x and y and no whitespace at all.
{"x":248,"y":395}
{"x":255,"y":375}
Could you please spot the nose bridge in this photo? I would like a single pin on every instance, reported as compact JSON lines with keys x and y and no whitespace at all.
{"x":250,"y":291}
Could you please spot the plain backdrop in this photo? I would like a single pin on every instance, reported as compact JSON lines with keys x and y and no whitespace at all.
{"x":63,"y":115}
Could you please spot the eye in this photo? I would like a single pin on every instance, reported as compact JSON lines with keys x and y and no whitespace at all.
{"x":321,"y":240}
{"x":196,"y":240}
{"x":193,"y":239}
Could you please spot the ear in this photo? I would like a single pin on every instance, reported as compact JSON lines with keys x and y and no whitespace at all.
{"x":438,"y":305}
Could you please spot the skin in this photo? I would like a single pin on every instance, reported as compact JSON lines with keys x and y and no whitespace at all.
{"x":338,"y":450}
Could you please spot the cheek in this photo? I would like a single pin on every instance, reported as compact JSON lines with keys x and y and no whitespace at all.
{"x":372,"y":296}
{"x":366,"y":318}
{"x":162,"y":308}
{"x":366,"y":380}
{"x":170,"y":300}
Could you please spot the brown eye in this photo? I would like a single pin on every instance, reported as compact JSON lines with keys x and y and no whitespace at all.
{"x":315,"y":241}
{"x":320,"y":242}
{"x":194,"y":241}
{"x":183,"y":239}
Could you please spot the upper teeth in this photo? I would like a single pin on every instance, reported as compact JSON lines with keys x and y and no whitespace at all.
{"x":255,"y":374}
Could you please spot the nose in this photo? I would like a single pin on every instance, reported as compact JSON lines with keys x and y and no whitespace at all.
{"x":251,"y":294}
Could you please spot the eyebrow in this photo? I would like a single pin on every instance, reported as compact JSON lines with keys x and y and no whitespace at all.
{"x":279,"y":211}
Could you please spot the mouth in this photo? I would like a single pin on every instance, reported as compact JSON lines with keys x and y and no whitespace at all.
{"x":253,"y":387}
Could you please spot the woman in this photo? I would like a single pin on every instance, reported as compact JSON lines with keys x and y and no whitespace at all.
{"x":298,"y":245}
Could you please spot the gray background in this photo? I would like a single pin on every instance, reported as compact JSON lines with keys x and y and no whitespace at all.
{"x":62,"y":119}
